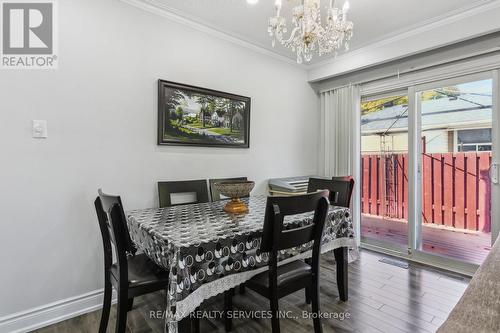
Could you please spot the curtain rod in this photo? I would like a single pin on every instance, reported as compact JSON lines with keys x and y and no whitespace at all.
{"x":400,"y":72}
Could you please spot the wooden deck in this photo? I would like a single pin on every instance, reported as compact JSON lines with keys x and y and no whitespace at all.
{"x":458,"y":244}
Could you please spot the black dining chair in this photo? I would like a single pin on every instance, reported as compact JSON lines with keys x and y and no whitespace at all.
{"x":280,"y":281}
{"x":215,"y":195}
{"x":345,"y":178}
{"x":131,"y":274}
{"x":340,"y":189}
{"x":166,"y":189}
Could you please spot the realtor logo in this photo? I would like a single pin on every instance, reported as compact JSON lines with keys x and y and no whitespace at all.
{"x":28,"y":37}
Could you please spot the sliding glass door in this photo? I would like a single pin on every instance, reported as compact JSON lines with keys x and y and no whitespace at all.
{"x":456,"y":146}
{"x":429,"y":182}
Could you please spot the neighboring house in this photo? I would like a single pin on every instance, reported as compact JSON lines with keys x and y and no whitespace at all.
{"x":448,"y":125}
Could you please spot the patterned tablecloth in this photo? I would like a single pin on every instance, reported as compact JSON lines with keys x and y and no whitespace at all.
{"x":209,"y":251}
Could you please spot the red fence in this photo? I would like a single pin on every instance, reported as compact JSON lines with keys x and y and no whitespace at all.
{"x":456,"y":188}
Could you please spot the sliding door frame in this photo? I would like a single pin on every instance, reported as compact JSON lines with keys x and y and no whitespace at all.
{"x":495,"y":188}
{"x":416,"y":180}
{"x":412,"y":89}
{"x":414,"y":172}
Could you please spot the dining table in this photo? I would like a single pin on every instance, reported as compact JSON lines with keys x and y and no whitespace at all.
{"x":208,"y":251}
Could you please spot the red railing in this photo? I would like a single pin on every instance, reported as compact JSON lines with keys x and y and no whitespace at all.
{"x":456,"y":188}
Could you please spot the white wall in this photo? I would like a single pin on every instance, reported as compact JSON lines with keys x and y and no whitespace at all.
{"x":101,"y":108}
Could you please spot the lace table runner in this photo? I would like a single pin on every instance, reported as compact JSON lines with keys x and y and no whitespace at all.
{"x":208,"y":251}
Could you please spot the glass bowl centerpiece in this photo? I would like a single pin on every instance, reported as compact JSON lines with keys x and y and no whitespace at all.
{"x":235,"y":190}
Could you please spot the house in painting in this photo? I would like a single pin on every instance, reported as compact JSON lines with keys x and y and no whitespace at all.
{"x":205,"y":117}
{"x":217,"y":120}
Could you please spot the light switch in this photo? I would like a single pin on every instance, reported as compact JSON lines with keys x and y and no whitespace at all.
{"x":40,"y":129}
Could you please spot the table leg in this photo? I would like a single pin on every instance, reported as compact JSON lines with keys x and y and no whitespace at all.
{"x":341,"y":260}
{"x":196,"y":322}
{"x":185,"y":325}
{"x":228,"y":306}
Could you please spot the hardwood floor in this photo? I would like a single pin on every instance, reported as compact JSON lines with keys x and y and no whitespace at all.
{"x":382,"y":298}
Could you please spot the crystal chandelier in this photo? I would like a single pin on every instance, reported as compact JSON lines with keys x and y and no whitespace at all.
{"x":308,"y":33}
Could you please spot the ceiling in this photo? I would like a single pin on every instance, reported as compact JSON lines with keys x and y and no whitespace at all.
{"x":373,"y":20}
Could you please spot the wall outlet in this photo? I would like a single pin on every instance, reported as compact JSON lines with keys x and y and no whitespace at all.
{"x":40,"y":129}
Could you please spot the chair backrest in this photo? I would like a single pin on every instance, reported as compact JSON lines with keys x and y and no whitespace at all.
{"x":340,"y":189}
{"x":345,"y":178}
{"x":114,"y":230}
{"x":275,"y":237}
{"x":215,"y":195}
{"x":166,"y":189}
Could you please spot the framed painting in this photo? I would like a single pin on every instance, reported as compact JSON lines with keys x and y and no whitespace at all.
{"x":194,"y":116}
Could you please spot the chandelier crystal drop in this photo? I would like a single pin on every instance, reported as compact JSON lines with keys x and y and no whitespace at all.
{"x":308,"y":33}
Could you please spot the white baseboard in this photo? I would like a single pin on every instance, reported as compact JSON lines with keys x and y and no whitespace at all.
{"x":52,"y":313}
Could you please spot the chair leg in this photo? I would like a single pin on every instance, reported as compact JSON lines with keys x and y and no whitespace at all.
{"x":106,"y":307}
{"x":308,"y":295}
{"x":189,"y":324}
{"x":196,"y":321}
{"x":228,"y":306}
{"x":121,"y":311}
{"x":185,"y":325}
{"x":341,"y":261}
{"x":130,"y":304}
{"x":308,"y":290}
{"x":275,"y":320}
{"x":315,"y":308}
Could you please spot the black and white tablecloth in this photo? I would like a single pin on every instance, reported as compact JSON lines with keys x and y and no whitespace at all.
{"x":209,"y":251}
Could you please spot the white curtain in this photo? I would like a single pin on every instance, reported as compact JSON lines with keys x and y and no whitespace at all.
{"x":340,"y":139}
{"x":340,"y":110}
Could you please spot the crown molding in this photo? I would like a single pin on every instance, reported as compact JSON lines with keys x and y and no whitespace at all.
{"x":158,"y":8}
{"x":404,"y":35}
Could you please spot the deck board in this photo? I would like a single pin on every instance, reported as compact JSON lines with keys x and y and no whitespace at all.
{"x":472,"y":247}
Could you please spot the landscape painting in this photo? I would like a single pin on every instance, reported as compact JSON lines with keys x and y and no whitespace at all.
{"x":196,"y":116}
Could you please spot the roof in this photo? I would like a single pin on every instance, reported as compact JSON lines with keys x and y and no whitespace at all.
{"x":436,"y":113}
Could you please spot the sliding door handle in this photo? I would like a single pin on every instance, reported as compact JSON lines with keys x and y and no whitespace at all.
{"x":494,"y":173}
